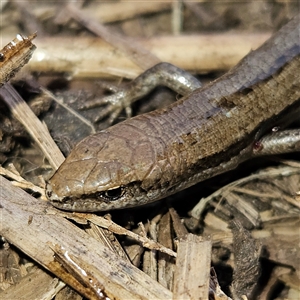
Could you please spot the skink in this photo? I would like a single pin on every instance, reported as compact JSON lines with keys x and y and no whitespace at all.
{"x":207,"y":132}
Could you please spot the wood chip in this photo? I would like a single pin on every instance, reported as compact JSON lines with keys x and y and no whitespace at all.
{"x":179,"y":228}
{"x":166,"y":263}
{"x":192,"y":273}
{"x":14,"y":56}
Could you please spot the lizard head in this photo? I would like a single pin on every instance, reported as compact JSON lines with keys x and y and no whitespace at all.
{"x":109,"y":170}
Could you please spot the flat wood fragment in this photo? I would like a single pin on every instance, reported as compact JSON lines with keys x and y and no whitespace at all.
{"x":119,"y":278}
{"x":192,"y":273}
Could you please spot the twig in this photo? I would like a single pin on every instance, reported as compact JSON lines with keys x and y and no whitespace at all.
{"x":90,"y":57}
{"x":117,"y":229}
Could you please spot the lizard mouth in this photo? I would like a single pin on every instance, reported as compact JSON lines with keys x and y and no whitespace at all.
{"x":78,"y":204}
{"x":50,"y":193}
{"x":85,"y":203}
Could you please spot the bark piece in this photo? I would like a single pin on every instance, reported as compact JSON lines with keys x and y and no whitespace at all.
{"x":247,"y":266}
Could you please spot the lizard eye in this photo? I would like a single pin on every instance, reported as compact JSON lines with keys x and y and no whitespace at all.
{"x":113,"y":194}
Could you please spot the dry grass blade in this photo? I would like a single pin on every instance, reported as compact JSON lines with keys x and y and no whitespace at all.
{"x":33,"y":125}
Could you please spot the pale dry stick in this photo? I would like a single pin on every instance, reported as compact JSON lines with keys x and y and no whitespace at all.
{"x":102,"y":222}
{"x":253,"y":193}
{"x":177,"y":17}
{"x":141,"y":56}
{"x":287,"y":162}
{"x":215,"y":222}
{"x":61,"y":17}
{"x":221,"y":238}
{"x":291,"y":200}
{"x":117,"y":229}
{"x":89,"y":57}
{"x":2,"y":4}
{"x":22,"y":112}
{"x":277,"y":219}
{"x":150,"y":256}
{"x":244,"y":207}
{"x":282,"y":171}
